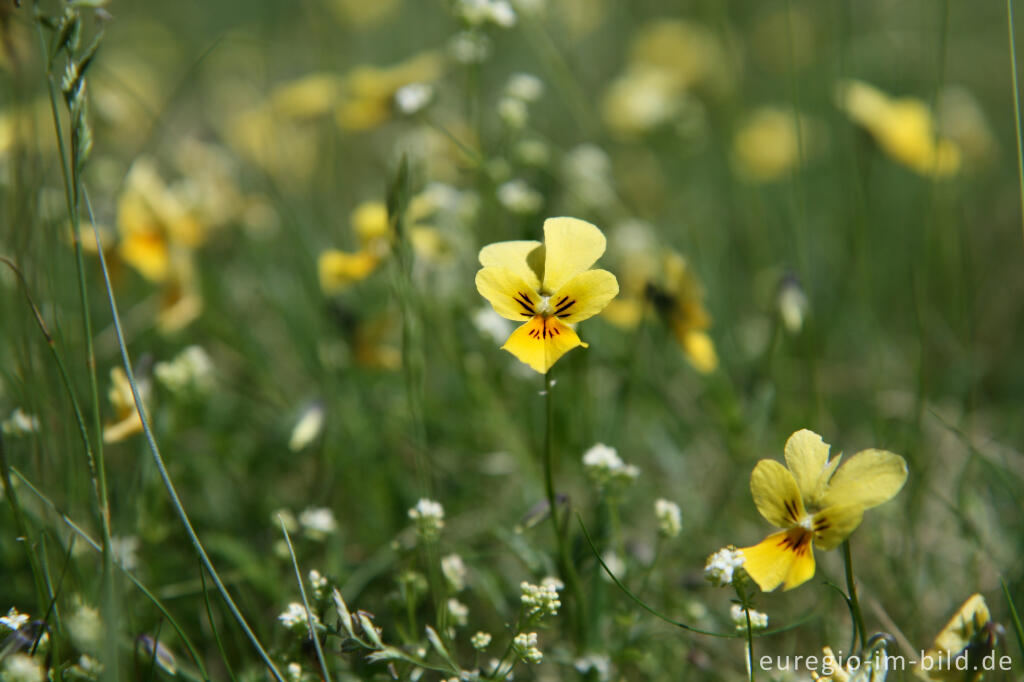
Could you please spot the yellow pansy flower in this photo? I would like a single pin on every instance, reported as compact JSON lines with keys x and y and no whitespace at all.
{"x":960,"y":648}
{"x":903,"y":127}
{"x":127,"y":421}
{"x":549,"y":285}
{"x":814,"y":501}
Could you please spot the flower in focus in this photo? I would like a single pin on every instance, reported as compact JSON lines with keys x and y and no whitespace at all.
{"x":960,"y":648}
{"x":721,"y":566}
{"x":814,"y":500}
{"x":550,"y":285}
{"x":903,"y":127}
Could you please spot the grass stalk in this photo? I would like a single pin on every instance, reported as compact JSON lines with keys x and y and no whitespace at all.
{"x":854,"y":600}
{"x":1016,"y":105}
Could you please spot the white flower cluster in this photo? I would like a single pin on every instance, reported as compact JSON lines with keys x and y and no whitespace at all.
{"x":459,"y":611}
{"x":413,"y":98}
{"x":295,"y":617}
{"x":454,"y":571}
{"x":541,"y":599}
{"x":518,"y":197}
{"x":670,"y":519}
{"x":480,"y":12}
{"x":22,"y":668}
{"x":481,"y":640}
{"x":758,"y":620}
{"x":318,"y":522}
{"x":722,"y":565}
{"x":294,"y":672}
{"x":604,"y":466}
{"x":318,"y":582}
{"x":191,"y":369}
{"x":520,"y":91}
{"x":429,"y":518}
{"x":525,"y":645}
{"x":20,"y":423}
{"x":14,"y":620}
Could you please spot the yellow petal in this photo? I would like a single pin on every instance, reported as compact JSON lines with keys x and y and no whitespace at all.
{"x":962,"y":627}
{"x":513,"y":256}
{"x":807,"y":458}
{"x":867,"y":479}
{"x":624,"y":312}
{"x":541,"y":341}
{"x":783,"y":557}
{"x":147,"y":252}
{"x":584,"y":296}
{"x":700,"y":351}
{"x":571,"y":246}
{"x":510,"y":295}
{"x":369,"y":221}
{"x":338,"y":269}
{"x":776,"y":494}
{"x":834,"y":524}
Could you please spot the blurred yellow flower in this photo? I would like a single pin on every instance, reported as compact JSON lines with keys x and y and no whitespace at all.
{"x":903,"y":127}
{"x":127,"y":421}
{"x":550,"y":285}
{"x":368,"y":92}
{"x":814,"y":501}
{"x":958,"y":652}
{"x":768,"y":145}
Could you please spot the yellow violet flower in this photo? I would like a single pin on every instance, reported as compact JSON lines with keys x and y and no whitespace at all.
{"x":814,"y":501}
{"x":549,"y":285}
{"x":903,"y":127}
{"x":960,"y":648}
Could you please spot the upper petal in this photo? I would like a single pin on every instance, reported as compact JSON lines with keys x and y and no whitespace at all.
{"x":867,"y":479}
{"x":541,"y":342}
{"x":585,"y":295}
{"x":807,"y":456}
{"x":783,"y":557}
{"x":571,"y":246}
{"x":776,"y":494}
{"x":511,"y":296}
{"x":513,"y":256}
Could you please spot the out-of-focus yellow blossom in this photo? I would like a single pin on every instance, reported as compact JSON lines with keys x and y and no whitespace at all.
{"x":126,"y":422}
{"x":309,"y":96}
{"x":961,"y":119}
{"x":368,"y":92}
{"x":27,"y":126}
{"x":814,"y":500}
{"x":126,"y":97}
{"x":903,"y":127}
{"x":958,"y":652}
{"x":284,"y":148}
{"x":669,"y":57}
{"x":662,"y":281}
{"x":180,"y":299}
{"x":549,"y":285}
{"x":370,"y":223}
{"x":363,"y":14}
{"x":768,"y":145}
{"x":154,"y":222}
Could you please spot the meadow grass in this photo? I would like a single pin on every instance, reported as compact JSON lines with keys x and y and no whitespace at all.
{"x":250,"y":391}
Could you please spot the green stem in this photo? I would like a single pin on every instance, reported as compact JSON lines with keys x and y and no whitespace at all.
{"x":851,"y":588}
{"x":1016,"y":104}
{"x":564,"y":564}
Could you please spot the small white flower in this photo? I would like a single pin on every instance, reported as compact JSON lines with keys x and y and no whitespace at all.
{"x":14,"y":620}
{"x":429,"y":518}
{"x":318,"y":582}
{"x":294,"y":672}
{"x":525,"y":645}
{"x":513,"y":112}
{"x":459,"y":611}
{"x":519,"y":197}
{"x":22,"y":668}
{"x":414,"y":97}
{"x":532,"y":152}
{"x":318,"y":522}
{"x":481,"y":640}
{"x":308,"y":427}
{"x":599,"y":663}
{"x":525,"y":87}
{"x":85,"y":627}
{"x":670,"y":518}
{"x":454,"y":571}
{"x":469,"y":47}
{"x":722,"y":565}
{"x":541,"y":599}
{"x":614,"y":563}
{"x":295,"y":616}
{"x":792,"y":304}
{"x":758,"y":620}
{"x":492,"y":325}
{"x":20,"y":423}
{"x":604,"y":466}
{"x":191,"y":369}
{"x":125,"y":550}
{"x":502,"y":14}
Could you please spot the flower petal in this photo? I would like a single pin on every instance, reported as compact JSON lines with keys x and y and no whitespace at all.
{"x":776,"y":494}
{"x":514,"y":256}
{"x":867,"y":479}
{"x":541,"y":341}
{"x":834,"y":524}
{"x":960,"y":630}
{"x":571,"y":246}
{"x":783,"y":557}
{"x":807,"y":457}
{"x":511,"y":296}
{"x":585,"y":295}
{"x":699,"y":350}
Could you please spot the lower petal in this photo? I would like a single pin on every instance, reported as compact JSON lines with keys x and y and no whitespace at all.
{"x":541,"y":341}
{"x":785,"y":557}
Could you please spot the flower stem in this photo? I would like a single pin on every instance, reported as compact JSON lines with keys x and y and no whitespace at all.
{"x":565,"y":566}
{"x":851,"y":588}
